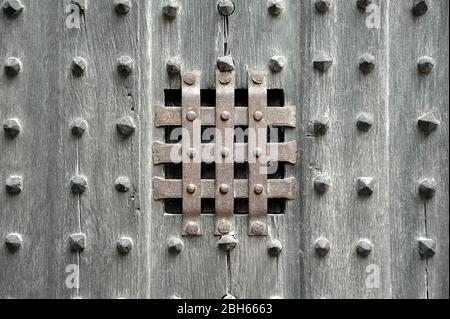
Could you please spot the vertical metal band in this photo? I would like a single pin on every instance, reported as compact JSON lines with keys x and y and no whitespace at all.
{"x":257,"y":153}
{"x":191,"y":149}
{"x":224,"y":153}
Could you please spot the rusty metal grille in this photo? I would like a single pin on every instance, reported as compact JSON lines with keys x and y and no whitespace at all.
{"x":221,"y":171}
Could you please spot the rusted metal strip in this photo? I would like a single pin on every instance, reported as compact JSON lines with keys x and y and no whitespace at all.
{"x":257,"y":153}
{"x":173,"y":188}
{"x":224,"y":153}
{"x":191,"y":154}
{"x":276,"y":116}
{"x":276,"y":152}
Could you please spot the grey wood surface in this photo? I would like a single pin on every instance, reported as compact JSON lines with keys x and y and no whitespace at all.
{"x":46,"y":97}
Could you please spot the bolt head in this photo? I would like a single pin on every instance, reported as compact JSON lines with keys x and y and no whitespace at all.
{"x":364,"y":121}
{"x":365,"y":186}
{"x":322,"y":62}
{"x":227,"y":242}
{"x":175,"y":245}
{"x":174,"y":66}
{"x":224,"y":227}
{"x":225,"y":78}
{"x":192,"y":153}
{"x":228,"y":296}
{"x":12,"y":8}
{"x":367,"y":63}
{"x":13,"y":66}
{"x":277,"y":63}
{"x":192,"y":229}
{"x":122,"y":6}
{"x":225,"y":116}
{"x":427,"y":247}
{"x":420,"y":7}
{"x":125,"y":66}
{"x":78,"y":127}
{"x":77,"y":242}
{"x":12,"y":128}
{"x":225,"y":63}
{"x":14,"y":185}
{"x":363,"y":4}
{"x":79,"y":66}
{"x":124,"y":245}
{"x":225,"y":152}
{"x":122,"y":184}
{"x":170,"y":9}
{"x":427,"y":188}
{"x":258,"y":78}
{"x":257,"y":228}
{"x":13,"y":242}
{"x":322,"y":183}
{"x":125,"y":126}
{"x":225,"y":7}
{"x":189,"y":78}
{"x":364,"y":248}
{"x":258,"y":116}
{"x":322,"y":246}
{"x":191,"y":116}
{"x":78,"y":184}
{"x":224,"y":189}
{"x":258,"y":189}
{"x":191,"y":189}
{"x":274,"y":247}
{"x":321,"y":125}
{"x":428,"y":123}
{"x":425,"y":65}
{"x":275,"y":7}
{"x":322,"y":6}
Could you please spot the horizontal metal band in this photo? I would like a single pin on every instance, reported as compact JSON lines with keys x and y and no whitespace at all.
{"x":172,"y":188}
{"x":277,"y":152}
{"x":276,"y":116}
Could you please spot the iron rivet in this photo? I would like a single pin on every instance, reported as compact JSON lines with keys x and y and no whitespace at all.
{"x":364,"y":248}
{"x":174,"y":66}
{"x":77,"y":242}
{"x":427,"y":247}
{"x":225,"y":152}
{"x":321,"y":124}
{"x":125,"y":126}
{"x":12,"y":128}
{"x":170,"y":9}
{"x":224,"y":189}
{"x":13,"y":242}
{"x":257,"y":153}
{"x":228,"y":296}
{"x":274,"y":247}
{"x":189,"y":78}
{"x":122,"y":184}
{"x":367,"y":63}
{"x":428,"y":123}
{"x":12,"y":8}
{"x":258,"y":78}
{"x":322,"y":246}
{"x":78,"y":127}
{"x":226,"y":7}
{"x":13,"y":66}
{"x":427,"y":188}
{"x":122,"y":6}
{"x":258,"y":189}
{"x":425,"y":65}
{"x":225,"y":78}
{"x":192,"y":228}
{"x":364,"y":121}
{"x":322,"y":62}
{"x":420,"y":7}
{"x":175,"y":245}
{"x":224,"y":227}
{"x":225,"y":63}
{"x":124,"y":245}
{"x":275,"y":7}
{"x":79,"y":66}
{"x":322,"y":183}
{"x":257,"y":228}
{"x":322,"y":6}
{"x":191,"y":189}
{"x":125,"y":66}
{"x":227,"y":242}
{"x":363,"y":4}
{"x":191,"y":153}
{"x":14,"y":185}
{"x":191,"y":116}
{"x":258,"y":116}
{"x":78,"y":184}
{"x":277,"y":63}
{"x":365,"y":186}
{"x":225,"y":116}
